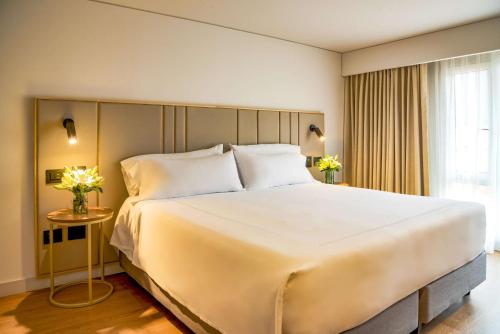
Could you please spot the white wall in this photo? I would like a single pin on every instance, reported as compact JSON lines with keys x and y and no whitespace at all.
{"x":86,"y":49}
{"x":460,"y":41}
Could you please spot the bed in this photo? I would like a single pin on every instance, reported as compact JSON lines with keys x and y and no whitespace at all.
{"x":307,"y":258}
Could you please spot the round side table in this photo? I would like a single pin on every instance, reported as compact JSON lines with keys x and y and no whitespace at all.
{"x":65,"y":217}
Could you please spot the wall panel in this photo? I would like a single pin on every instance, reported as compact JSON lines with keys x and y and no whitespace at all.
{"x":285,"y":127}
{"x":294,"y":128}
{"x":109,"y":132}
{"x":180,"y":129}
{"x":206,"y":127}
{"x":125,"y":130}
{"x":268,"y":128}
{"x":54,"y":152}
{"x":168,"y":129}
{"x":247,"y":127}
{"x":310,"y":145}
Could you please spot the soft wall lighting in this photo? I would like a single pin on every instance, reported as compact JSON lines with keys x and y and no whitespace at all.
{"x":69,"y":124}
{"x":319,"y":133}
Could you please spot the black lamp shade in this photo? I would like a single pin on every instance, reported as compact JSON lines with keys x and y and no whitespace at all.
{"x":69,"y":124}
{"x":319,"y":133}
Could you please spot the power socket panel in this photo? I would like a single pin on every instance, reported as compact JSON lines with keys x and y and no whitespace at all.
{"x":57,"y":235}
{"x":76,"y":232}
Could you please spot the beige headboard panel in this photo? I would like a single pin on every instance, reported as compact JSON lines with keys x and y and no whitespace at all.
{"x":110,"y":131}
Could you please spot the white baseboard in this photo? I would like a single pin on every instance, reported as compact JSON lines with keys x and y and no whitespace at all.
{"x":34,"y":283}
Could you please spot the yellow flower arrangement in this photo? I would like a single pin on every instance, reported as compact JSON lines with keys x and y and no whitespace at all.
{"x":329,"y":165}
{"x":80,"y":182}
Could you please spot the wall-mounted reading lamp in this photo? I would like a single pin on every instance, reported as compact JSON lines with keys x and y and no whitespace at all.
{"x":69,"y":124}
{"x":319,"y":133}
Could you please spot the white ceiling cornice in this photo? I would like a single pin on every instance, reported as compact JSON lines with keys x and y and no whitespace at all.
{"x":335,"y":25}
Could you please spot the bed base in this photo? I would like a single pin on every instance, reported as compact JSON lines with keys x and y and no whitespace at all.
{"x":189,"y":319}
{"x":399,"y":318}
{"x":450,"y":289}
{"x":405,"y":316}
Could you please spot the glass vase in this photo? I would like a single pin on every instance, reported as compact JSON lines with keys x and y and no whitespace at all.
{"x":80,"y":203}
{"x":329,"y":176}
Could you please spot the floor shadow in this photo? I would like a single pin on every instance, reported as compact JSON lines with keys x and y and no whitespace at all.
{"x":129,"y":309}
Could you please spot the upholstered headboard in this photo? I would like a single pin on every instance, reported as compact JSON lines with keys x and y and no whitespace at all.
{"x":110,"y":131}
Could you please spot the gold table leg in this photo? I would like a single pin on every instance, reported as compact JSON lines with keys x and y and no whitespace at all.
{"x":51,"y":259}
{"x":90,"y":281}
{"x":89,"y":260}
{"x":101,"y":250}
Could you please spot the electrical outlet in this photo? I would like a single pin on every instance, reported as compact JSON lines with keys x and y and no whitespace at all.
{"x":76,"y":232}
{"x":57,"y":236}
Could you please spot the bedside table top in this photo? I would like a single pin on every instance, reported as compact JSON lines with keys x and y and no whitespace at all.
{"x":66,"y":216}
{"x":343,"y":184}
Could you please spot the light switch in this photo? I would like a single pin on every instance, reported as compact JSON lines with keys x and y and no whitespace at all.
{"x":55,"y":175}
{"x":309,"y":161}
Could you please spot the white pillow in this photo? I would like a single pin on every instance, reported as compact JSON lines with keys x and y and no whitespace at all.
{"x":260,"y":171}
{"x":266,"y":148}
{"x":130,"y":165}
{"x":186,"y":177}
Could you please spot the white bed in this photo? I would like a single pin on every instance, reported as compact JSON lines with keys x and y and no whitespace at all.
{"x":309,"y":258}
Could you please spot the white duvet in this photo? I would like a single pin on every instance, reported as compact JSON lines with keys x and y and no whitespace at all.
{"x":309,"y":258}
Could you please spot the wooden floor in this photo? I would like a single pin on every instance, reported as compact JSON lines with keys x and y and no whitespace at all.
{"x":132,"y":310}
{"x":478,"y":313}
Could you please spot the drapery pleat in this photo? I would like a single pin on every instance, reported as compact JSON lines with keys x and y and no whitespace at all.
{"x":385,"y":130}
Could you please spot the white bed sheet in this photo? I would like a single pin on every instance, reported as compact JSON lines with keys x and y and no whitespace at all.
{"x":309,"y":258}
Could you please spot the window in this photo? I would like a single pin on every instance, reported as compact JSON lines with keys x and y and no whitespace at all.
{"x":473,"y":126}
{"x":464,"y":140}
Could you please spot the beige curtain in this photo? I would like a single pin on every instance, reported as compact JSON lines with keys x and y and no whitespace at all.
{"x":385,"y":130}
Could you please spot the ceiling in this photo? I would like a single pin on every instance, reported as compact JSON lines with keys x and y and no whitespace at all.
{"x":338,"y":25}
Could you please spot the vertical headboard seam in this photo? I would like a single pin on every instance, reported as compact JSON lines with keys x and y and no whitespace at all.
{"x":297,"y":131}
{"x":186,"y":112}
{"x":162,"y":135}
{"x":175,"y":129}
{"x":98,"y":142}
{"x":35,"y":189}
{"x":279,"y":126}
{"x":258,"y":112}
{"x":237,"y":126}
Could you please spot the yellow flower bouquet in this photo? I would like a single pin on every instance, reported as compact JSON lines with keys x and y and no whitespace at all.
{"x":80,"y":182}
{"x":329,"y":165}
